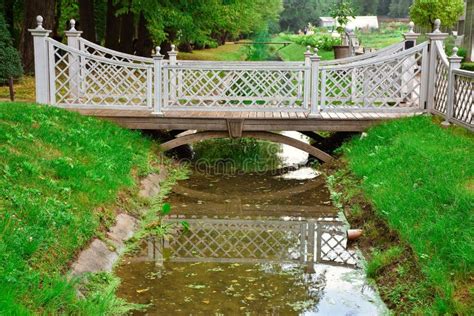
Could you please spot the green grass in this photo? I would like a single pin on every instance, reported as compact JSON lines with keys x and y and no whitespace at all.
{"x":60,"y":174}
{"x":386,"y":35}
{"x":295,"y":52}
{"x":420,"y":179}
{"x":227,"y":52}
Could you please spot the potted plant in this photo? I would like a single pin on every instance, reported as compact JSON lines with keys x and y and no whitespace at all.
{"x":341,"y":12}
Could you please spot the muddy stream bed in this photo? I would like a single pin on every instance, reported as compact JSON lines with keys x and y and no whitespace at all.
{"x":258,"y":244}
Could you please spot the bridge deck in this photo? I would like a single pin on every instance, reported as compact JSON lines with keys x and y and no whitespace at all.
{"x":251,"y":120}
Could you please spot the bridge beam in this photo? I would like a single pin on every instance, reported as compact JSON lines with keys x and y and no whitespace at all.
{"x":272,"y":137}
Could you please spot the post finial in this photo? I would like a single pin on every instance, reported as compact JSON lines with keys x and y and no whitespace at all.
{"x":437,"y":25}
{"x":411,"y":27}
{"x":316,"y":52}
{"x":157,"y":51}
{"x":39,"y":22}
{"x":455,"y":52}
{"x":308,"y":49}
{"x":173,"y":48}
{"x":72,"y":22}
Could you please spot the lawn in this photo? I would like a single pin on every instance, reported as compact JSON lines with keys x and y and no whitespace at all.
{"x":386,"y":35}
{"x":228,"y":52}
{"x":24,"y":90}
{"x":60,"y":177}
{"x":295,"y":52}
{"x":420,"y":180}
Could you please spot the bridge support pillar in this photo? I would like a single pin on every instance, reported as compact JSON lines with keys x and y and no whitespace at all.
{"x":235,"y":128}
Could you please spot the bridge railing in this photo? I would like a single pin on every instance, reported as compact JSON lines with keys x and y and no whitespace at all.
{"x":401,"y":77}
{"x":451,"y":91}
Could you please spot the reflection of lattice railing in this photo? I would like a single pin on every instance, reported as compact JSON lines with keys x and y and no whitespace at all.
{"x":463,"y":105}
{"x":81,"y":79}
{"x":235,"y":240}
{"x":391,"y":82}
{"x":224,"y":85}
{"x":331,"y":246}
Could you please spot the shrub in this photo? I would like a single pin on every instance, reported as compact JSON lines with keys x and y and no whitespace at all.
{"x":323,"y":42}
{"x":11,"y":63}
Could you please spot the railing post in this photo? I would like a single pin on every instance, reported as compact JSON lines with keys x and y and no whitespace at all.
{"x":41,"y":61}
{"x":157,"y":68}
{"x":410,"y":37}
{"x":454,"y":63}
{"x":410,"y":42}
{"x":433,"y":38}
{"x":173,"y":79}
{"x":315,"y":59}
{"x":307,"y":77}
{"x":73,"y":36}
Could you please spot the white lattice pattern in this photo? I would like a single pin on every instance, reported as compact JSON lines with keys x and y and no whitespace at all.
{"x":441,"y":85}
{"x":85,"y":80}
{"x":100,"y":51}
{"x":220,"y":240}
{"x":332,"y":247}
{"x":238,"y":239}
{"x":388,"y":83}
{"x":463,"y":107}
{"x":224,"y":87}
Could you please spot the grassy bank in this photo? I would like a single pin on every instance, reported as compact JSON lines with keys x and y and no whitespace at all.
{"x":62,"y":179}
{"x":418,"y":178}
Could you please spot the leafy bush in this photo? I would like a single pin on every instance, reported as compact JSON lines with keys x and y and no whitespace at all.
{"x":322,"y":42}
{"x":10,"y":65}
{"x":468,"y":66}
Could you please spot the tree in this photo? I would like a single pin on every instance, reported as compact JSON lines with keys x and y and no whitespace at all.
{"x":87,"y":20}
{"x":425,"y":12}
{"x":10,"y":67}
{"x":341,"y":13}
{"x":399,"y":8}
{"x":32,"y":8}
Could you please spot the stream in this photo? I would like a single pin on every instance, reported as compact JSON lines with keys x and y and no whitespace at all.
{"x":258,"y":244}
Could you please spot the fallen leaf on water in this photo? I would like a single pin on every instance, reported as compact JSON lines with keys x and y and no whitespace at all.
{"x":143,"y":290}
{"x":206,"y":302}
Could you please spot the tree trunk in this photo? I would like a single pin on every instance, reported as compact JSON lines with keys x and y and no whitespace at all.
{"x":10,"y":86}
{"x":112,"y":27}
{"x":127,"y":33}
{"x":87,"y":21}
{"x":33,"y":8}
{"x":144,"y":43}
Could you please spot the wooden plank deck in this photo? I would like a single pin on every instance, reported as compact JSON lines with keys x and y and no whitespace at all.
{"x":251,"y":120}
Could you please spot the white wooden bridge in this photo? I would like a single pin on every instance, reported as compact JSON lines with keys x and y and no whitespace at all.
{"x":254,"y":99}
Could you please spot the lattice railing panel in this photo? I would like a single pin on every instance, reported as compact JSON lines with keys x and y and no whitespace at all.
{"x":85,"y":80}
{"x":441,"y":85}
{"x":463,"y":107}
{"x":240,"y":87}
{"x":387,"y":83}
{"x":97,"y":50}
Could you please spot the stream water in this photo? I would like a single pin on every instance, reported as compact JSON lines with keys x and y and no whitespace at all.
{"x":258,"y":244}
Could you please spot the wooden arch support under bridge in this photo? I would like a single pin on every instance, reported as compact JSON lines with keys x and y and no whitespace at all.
{"x":272,"y":137}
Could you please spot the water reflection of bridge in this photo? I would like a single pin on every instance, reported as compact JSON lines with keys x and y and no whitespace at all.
{"x":260,"y":203}
{"x":254,"y":241}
